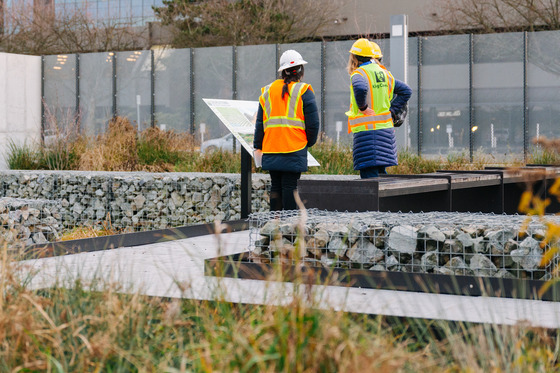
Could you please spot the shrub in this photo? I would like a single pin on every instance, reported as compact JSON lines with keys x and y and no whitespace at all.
{"x":115,"y":150}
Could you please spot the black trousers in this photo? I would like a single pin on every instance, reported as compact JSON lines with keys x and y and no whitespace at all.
{"x":283,"y":185}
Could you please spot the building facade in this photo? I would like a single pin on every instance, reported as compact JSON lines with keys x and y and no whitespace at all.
{"x":135,"y":12}
{"x":353,"y":17}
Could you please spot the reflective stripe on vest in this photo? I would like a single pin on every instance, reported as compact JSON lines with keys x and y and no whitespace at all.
{"x":290,"y":118}
{"x":357,"y":121}
{"x":283,"y":121}
{"x":369,"y":122}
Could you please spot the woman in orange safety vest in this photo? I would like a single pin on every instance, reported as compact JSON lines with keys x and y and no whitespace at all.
{"x":287,"y":125}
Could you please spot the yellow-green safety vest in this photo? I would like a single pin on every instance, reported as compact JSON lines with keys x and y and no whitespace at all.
{"x":380,"y":94}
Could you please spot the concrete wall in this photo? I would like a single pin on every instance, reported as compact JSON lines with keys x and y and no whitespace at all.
{"x":20,"y":101}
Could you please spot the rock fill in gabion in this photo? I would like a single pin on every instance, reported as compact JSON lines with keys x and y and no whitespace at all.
{"x":136,"y":201}
{"x":435,"y":242}
{"x":27,"y":222}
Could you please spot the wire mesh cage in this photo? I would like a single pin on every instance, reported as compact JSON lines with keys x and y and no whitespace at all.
{"x":135,"y":201}
{"x":475,"y":244}
{"x":28,"y":221}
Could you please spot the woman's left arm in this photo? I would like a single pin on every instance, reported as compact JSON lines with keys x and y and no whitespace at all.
{"x":311,"y":115}
{"x":402,"y":92}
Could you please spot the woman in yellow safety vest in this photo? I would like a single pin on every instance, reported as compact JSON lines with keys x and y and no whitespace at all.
{"x":287,"y":125}
{"x":375,"y":99}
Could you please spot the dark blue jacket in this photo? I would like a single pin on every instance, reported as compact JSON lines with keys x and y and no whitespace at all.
{"x":296,"y":161}
{"x":377,"y":147}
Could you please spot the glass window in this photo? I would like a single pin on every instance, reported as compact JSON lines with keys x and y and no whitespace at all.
{"x":60,"y":94}
{"x":213,"y":79}
{"x":337,"y":93}
{"x":543,"y":83}
{"x":445,"y":95}
{"x":498,"y":94}
{"x":96,"y":91}
{"x":172,"y":89}
{"x":134,"y":99}
{"x":385,"y":46}
{"x":412,"y":117}
{"x":256,"y":67}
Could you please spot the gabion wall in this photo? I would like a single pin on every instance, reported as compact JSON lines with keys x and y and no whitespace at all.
{"x":435,"y":242}
{"x":135,"y":201}
{"x":26,"y":222}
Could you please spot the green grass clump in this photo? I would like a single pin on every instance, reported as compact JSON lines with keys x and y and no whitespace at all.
{"x":22,"y":157}
{"x":544,"y":157}
{"x":165,"y":148}
{"x":219,"y":161}
{"x":53,"y":157}
{"x":410,"y":163}
{"x":333,"y":159}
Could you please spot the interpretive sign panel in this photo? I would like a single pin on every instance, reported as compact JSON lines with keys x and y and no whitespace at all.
{"x":239,"y":117}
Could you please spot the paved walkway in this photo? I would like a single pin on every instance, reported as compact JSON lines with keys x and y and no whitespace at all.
{"x":176,"y":269}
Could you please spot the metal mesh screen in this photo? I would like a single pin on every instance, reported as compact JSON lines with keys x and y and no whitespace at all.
{"x":508,"y":246}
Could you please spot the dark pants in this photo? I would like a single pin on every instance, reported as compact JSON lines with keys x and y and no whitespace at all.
{"x":283,"y":185}
{"x":375,"y":171}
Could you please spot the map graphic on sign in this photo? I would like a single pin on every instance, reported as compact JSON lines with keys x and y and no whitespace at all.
{"x":239,"y":117}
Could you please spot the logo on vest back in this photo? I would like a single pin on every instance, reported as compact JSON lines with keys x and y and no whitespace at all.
{"x":379,"y":77}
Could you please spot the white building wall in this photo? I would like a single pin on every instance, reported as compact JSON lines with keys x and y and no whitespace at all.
{"x":20,"y":101}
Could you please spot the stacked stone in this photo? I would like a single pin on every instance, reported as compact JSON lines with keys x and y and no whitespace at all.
{"x":160,"y":201}
{"x":30,"y":185}
{"x":497,"y":246}
{"x":137,"y":201}
{"x":84,"y":198}
{"x":26,"y":222}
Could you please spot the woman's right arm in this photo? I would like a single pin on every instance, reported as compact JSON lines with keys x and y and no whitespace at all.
{"x":360,"y":87}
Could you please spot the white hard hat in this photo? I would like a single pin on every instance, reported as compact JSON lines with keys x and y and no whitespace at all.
{"x":290,"y":58}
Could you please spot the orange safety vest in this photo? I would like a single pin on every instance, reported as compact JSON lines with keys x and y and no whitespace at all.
{"x":283,"y":120}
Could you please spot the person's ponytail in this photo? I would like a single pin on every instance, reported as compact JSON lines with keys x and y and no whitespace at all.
{"x":290,"y":75}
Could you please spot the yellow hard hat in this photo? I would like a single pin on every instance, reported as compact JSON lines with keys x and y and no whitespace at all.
{"x":362,"y":47}
{"x":376,"y":50}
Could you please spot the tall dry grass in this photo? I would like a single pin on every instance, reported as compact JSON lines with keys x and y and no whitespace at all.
{"x":114,"y":150}
{"x":121,"y":148}
{"x":69,"y":327}
{"x":98,"y":326}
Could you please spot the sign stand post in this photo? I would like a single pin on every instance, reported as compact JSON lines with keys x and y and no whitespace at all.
{"x":239,"y":118}
{"x":246,"y":186}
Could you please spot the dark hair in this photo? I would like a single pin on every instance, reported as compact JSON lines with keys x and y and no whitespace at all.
{"x":363,"y":59}
{"x":293,"y":74}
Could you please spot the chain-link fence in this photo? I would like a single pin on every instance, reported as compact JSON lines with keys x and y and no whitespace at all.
{"x":507,"y":246}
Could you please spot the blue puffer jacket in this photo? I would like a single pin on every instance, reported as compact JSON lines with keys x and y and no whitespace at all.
{"x":296,"y":161}
{"x":377,"y":147}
